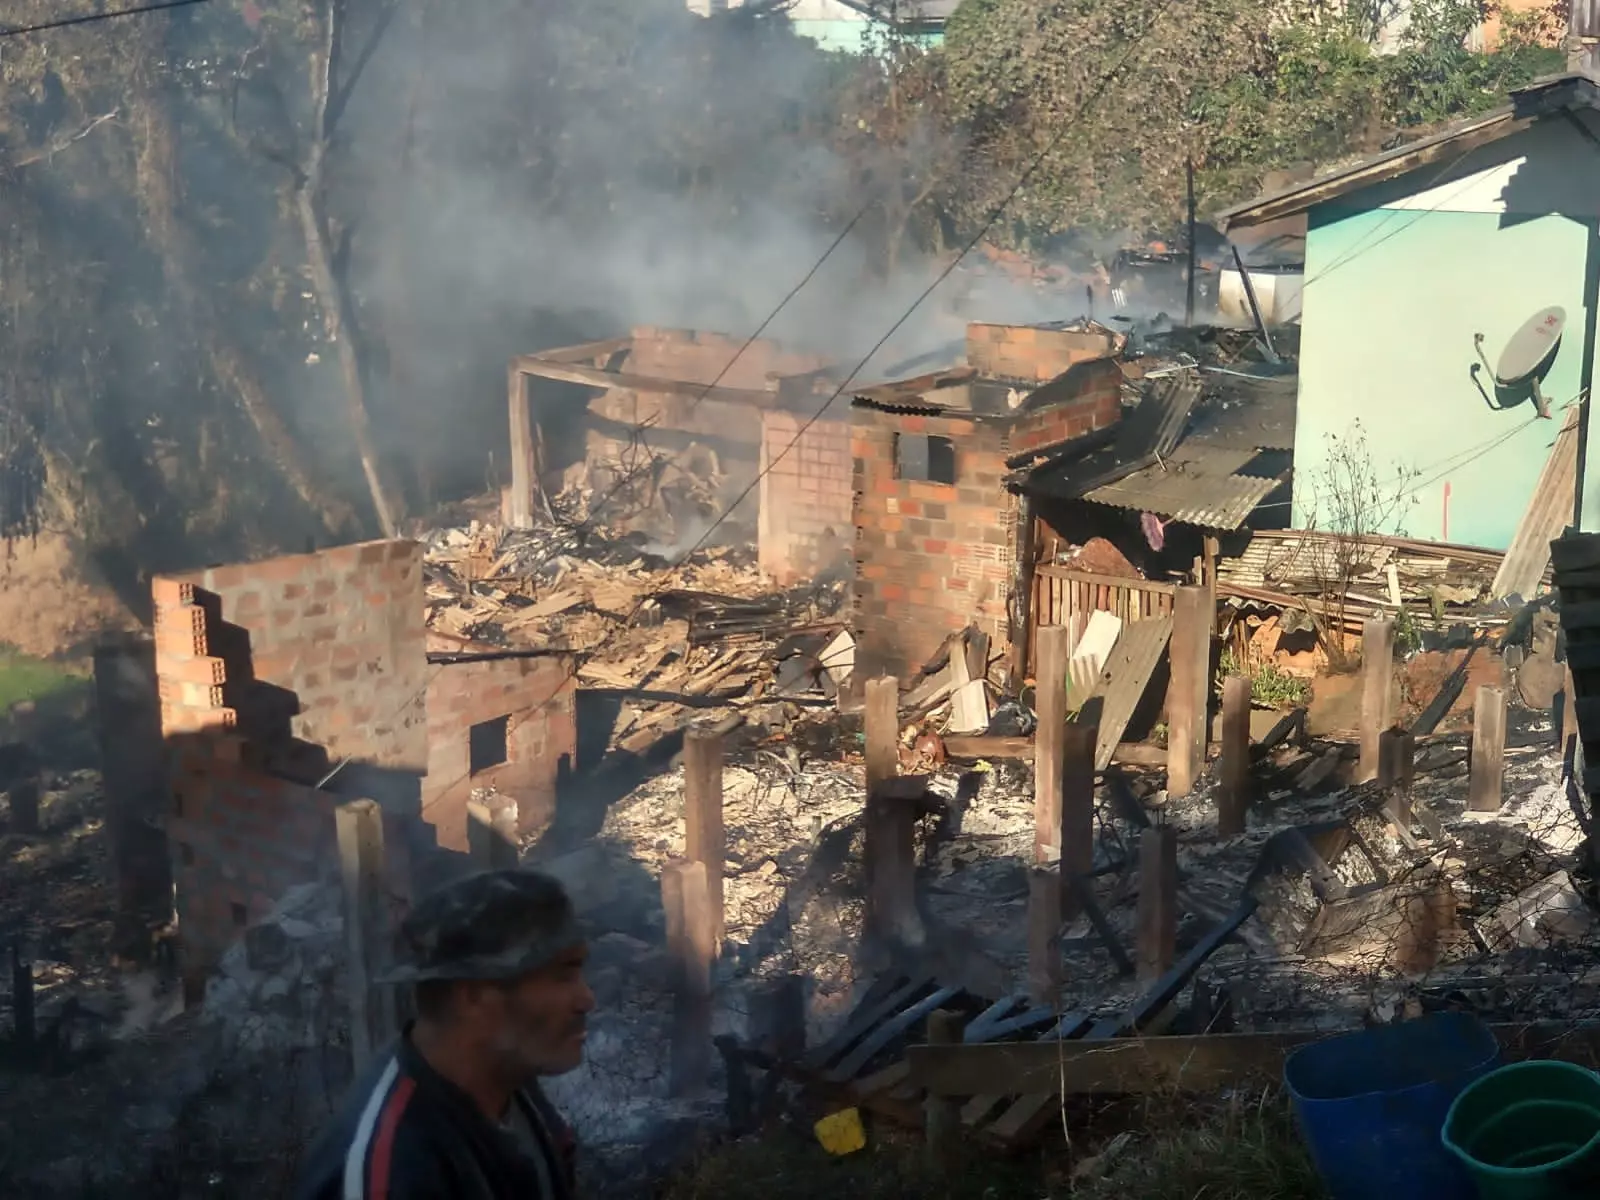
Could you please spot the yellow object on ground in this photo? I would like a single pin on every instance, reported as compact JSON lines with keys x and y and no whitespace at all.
{"x":841,"y":1132}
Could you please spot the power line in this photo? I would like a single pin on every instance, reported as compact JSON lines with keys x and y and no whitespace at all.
{"x":1066,"y":126}
{"x":89,"y":18}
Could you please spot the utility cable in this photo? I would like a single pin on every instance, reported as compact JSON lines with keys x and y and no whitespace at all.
{"x":89,"y":18}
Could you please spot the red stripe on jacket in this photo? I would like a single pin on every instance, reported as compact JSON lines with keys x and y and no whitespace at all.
{"x":383,"y":1146}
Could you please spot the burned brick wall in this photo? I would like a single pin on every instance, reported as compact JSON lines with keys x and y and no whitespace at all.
{"x":1031,"y":354}
{"x":271,"y":674}
{"x":1086,"y":398}
{"x":931,"y":558}
{"x":806,"y":496}
{"x":692,"y":430}
{"x":505,"y":724}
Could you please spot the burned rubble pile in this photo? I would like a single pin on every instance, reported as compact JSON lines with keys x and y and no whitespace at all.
{"x":708,"y":632}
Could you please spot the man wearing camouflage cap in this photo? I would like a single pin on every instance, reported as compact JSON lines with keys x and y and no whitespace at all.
{"x":454,"y":1110}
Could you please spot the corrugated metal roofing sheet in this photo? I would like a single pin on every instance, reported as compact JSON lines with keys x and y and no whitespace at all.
{"x":1199,"y":490}
{"x":1127,"y":673}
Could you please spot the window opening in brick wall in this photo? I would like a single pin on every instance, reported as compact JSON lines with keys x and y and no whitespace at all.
{"x":924,"y":457}
{"x":486,"y":744}
{"x":241,"y":915}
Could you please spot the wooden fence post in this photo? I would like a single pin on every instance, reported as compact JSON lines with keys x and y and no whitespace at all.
{"x":705,"y":841}
{"x":1049,"y":741}
{"x":1158,"y":901}
{"x":942,"y":1114}
{"x":359,"y":826}
{"x":1190,"y":689}
{"x":1075,"y":830}
{"x":881,"y":727}
{"x":1233,"y":791}
{"x":1044,"y":935}
{"x":23,"y":1027}
{"x":492,"y":833}
{"x":692,"y":951}
{"x":1377,"y":685}
{"x":1486,"y":789}
{"x":891,"y":866}
{"x":1397,"y":765}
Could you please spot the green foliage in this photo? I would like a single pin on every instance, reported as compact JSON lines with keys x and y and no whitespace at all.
{"x":1269,"y":687}
{"x":1407,"y":634}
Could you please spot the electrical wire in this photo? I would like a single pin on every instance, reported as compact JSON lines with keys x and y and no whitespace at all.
{"x":89,"y":18}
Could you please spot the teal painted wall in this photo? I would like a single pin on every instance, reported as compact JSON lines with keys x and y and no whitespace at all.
{"x":1394,"y":297}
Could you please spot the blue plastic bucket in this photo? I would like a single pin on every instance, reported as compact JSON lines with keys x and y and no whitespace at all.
{"x":1371,"y":1105}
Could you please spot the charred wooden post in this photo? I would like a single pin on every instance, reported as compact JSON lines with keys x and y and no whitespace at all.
{"x":1074,"y":834}
{"x":705,"y":841}
{"x":1233,"y":791}
{"x":942,"y":1114}
{"x":881,"y":721}
{"x":690,"y":947}
{"x":891,"y":865}
{"x":1190,"y":688}
{"x":23,"y":799}
{"x":492,"y":837}
{"x":23,"y":1026}
{"x":1377,"y":686}
{"x":1486,"y":790}
{"x":1569,"y":722}
{"x":524,"y":466}
{"x":1158,"y":901}
{"x":1049,"y":745}
{"x":1397,"y":766}
{"x":1020,"y":610}
{"x":1044,"y":935}
{"x":359,"y":827}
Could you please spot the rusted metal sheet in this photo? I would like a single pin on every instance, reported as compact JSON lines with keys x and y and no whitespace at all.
{"x":1123,"y":681}
{"x":1549,"y":512}
{"x":1199,"y":490}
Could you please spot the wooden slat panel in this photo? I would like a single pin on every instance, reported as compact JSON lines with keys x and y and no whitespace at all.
{"x":1127,"y":673}
{"x":1548,"y":513}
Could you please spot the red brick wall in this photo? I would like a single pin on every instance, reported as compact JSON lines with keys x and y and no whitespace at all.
{"x":930,"y":558}
{"x":538,"y":695}
{"x":323,"y":653}
{"x":339,"y":632}
{"x":1086,"y":398}
{"x":1023,"y":352}
{"x":807,"y":493}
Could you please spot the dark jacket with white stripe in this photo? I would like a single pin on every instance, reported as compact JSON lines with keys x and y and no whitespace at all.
{"x":407,"y":1133}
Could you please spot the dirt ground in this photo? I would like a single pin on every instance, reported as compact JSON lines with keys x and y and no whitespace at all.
{"x":50,"y":605}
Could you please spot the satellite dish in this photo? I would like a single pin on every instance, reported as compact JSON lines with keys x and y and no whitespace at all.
{"x":1526,"y":360}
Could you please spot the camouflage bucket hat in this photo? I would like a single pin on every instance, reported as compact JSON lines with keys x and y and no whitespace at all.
{"x":492,"y":926}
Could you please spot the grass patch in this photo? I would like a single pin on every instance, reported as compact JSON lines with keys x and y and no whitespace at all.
{"x":1179,"y":1150}
{"x":23,"y":678}
{"x":1269,"y":687}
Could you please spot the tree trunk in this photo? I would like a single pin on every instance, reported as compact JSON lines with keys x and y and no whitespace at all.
{"x":331,"y":293}
{"x":154,"y":166}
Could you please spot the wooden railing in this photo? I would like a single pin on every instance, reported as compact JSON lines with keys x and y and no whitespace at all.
{"x":1059,"y":593}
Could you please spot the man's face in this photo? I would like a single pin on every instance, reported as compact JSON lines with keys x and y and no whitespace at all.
{"x":535,"y":1025}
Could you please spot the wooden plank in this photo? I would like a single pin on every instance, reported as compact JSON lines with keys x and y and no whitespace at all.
{"x":886,"y":996}
{"x":705,"y":840}
{"x":1198,"y":1063}
{"x":983,"y":746}
{"x":1158,"y":901}
{"x":1123,"y":682}
{"x":690,"y":946}
{"x":362,"y":868}
{"x":1233,"y":787}
{"x":896,"y":1026}
{"x":1377,"y":676}
{"x":1548,"y":513}
{"x":524,"y":470}
{"x":1044,"y":935}
{"x":942,"y":1114}
{"x":1050,"y":741}
{"x":1486,"y":790}
{"x":891,"y":866}
{"x":881,"y":720}
{"x":1187,"y":694}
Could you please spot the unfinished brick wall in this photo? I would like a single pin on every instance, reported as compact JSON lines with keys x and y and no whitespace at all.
{"x":1032,"y":354}
{"x":270,"y":673}
{"x":702,"y":357}
{"x":535,"y":700}
{"x":930,"y":558}
{"x":1086,"y":398}
{"x":807,"y":493}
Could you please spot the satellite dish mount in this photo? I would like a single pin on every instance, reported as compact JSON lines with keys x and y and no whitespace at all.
{"x":1525,"y":362}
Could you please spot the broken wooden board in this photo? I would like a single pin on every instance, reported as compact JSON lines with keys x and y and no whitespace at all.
{"x":1123,"y":682}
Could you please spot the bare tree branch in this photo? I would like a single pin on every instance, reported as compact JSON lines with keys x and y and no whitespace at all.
{"x":341,"y":96}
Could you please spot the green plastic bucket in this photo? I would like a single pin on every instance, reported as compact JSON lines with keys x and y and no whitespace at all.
{"x":1529,"y":1132}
